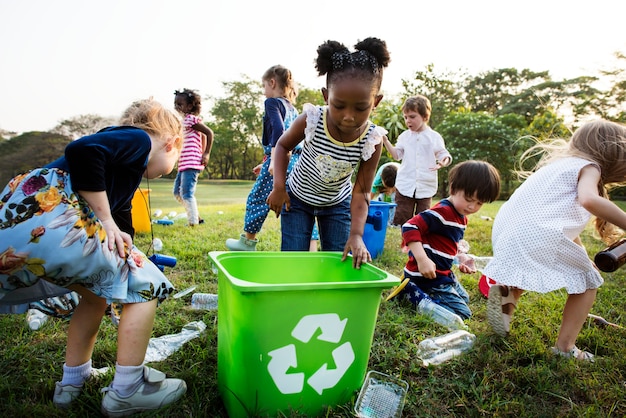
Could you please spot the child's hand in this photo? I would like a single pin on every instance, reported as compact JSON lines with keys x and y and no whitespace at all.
{"x":257,"y":169}
{"x":117,"y":238}
{"x":277,"y":199}
{"x":360,"y":254}
{"x":466,"y":263}
{"x":427,"y":267}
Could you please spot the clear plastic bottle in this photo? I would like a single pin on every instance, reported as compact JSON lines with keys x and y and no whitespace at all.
{"x":35,"y":319}
{"x":440,"y":315}
{"x":442,"y":348}
{"x":207,"y":301}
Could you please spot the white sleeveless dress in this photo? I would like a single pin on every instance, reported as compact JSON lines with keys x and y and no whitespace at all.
{"x":533,"y":234}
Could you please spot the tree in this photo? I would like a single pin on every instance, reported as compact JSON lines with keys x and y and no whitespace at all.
{"x":481,"y":136}
{"x":81,"y":125}
{"x":614,"y":99}
{"x":306,"y":95}
{"x":27,"y":151}
{"x":237,"y":121}
{"x":444,"y":90}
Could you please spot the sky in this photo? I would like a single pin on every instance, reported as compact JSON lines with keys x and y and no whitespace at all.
{"x":64,"y":58}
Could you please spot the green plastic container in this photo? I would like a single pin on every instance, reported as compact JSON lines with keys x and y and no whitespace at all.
{"x":294,"y":330}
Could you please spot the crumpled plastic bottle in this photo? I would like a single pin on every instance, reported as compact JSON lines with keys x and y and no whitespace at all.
{"x":439,"y":349}
{"x":35,"y":319}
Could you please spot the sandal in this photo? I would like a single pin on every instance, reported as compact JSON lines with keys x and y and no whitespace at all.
{"x":500,"y":306}
{"x":575,"y":353}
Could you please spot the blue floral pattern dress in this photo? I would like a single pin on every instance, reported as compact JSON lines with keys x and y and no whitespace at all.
{"x":49,"y":235}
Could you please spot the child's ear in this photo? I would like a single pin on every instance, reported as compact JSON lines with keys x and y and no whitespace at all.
{"x":377,"y":100}
{"x":325,"y":94}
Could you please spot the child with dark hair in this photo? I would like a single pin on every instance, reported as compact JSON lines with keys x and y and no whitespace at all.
{"x":336,"y":139}
{"x":384,"y":186}
{"x":433,"y":236}
{"x":198,"y":140}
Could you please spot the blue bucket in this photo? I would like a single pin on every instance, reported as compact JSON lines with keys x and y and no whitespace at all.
{"x":376,"y":226}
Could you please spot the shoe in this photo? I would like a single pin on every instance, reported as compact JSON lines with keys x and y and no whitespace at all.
{"x":500,"y":306}
{"x":575,"y":353}
{"x":155,"y":392}
{"x":64,"y":395}
{"x":200,"y":221}
{"x":241,"y":244}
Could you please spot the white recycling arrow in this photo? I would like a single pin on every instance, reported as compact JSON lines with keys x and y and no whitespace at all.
{"x":332,"y":327}
{"x":324,"y":378}
{"x":282,"y":359}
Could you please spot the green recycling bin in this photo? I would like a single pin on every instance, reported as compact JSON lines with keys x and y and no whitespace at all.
{"x":295,"y":330}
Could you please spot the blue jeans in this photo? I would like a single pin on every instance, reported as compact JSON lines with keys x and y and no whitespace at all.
{"x":185,"y":190}
{"x":453,"y":297}
{"x":333,"y":223}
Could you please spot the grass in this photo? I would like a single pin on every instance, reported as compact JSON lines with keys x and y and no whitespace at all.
{"x":516,"y":376}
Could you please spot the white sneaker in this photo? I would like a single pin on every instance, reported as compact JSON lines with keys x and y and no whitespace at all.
{"x":155,"y":392}
{"x":64,"y":395}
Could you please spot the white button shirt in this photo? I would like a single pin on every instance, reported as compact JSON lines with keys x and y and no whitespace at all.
{"x":419,"y":152}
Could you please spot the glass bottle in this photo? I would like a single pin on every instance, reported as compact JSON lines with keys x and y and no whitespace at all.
{"x":612,"y":257}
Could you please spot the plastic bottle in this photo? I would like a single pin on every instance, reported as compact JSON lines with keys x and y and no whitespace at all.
{"x":35,"y":319}
{"x":157,"y":244}
{"x":207,"y":301}
{"x":442,"y":348}
{"x":612,"y":257}
{"x":440,"y":315}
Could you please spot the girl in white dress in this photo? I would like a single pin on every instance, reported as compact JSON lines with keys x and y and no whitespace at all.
{"x":536,"y":242}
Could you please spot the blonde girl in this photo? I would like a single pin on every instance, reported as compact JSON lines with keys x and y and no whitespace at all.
{"x":536,"y":233}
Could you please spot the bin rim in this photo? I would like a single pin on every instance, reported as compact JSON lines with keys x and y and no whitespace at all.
{"x":388,"y":280}
{"x":381,"y":203}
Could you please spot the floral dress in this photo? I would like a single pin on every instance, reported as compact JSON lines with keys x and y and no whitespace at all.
{"x":50,"y":239}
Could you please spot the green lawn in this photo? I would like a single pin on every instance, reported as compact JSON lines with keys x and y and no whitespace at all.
{"x":515,"y":377}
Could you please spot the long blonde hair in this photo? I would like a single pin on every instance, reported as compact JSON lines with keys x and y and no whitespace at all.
{"x":602,"y":142}
{"x":155,"y":119}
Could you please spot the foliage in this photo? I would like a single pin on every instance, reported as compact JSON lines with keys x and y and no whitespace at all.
{"x":27,"y":151}
{"x":481,"y":136}
{"x":306,"y":95}
{"x":444,"y":90}
{"x":389,"y":116}
{"x":82,"y":125}
{"x":237,"y":122}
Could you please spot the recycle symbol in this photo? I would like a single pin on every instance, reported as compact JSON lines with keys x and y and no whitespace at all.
{"x":284,"y":358}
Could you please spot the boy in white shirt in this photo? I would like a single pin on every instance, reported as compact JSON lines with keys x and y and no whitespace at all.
{"x":422,"y":153}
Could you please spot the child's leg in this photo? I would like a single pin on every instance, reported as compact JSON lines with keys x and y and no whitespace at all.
{"x":176,"y":188}
{"x":423,"y":204}
{"x":257,"y":208}
{"x":189,"y":180}
{"x":404,"y":209}
{"x":452,"y":297}
{"x":134,"y":332}
{"x":333,"y":223}
{"x":297,"y":226}
{"x":575,"y":313}
{"x":83,"y":329}
{"x":136,"y":387}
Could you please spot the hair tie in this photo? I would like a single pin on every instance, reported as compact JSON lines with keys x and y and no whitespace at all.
{"x":359,"y":59}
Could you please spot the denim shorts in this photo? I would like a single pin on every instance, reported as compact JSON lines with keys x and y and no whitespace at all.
{"x":333,"y":223}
